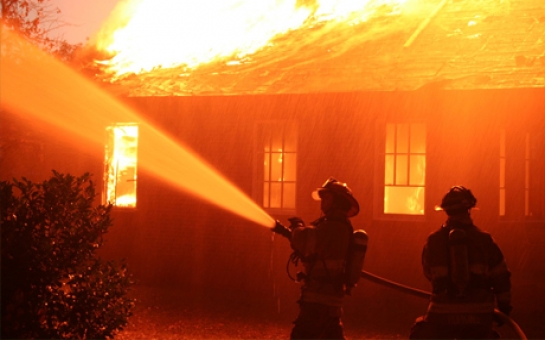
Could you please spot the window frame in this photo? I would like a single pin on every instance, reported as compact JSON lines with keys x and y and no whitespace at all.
{"x":380,"y":169}
{"x":258,"y":163}
{"x":107,"y":166}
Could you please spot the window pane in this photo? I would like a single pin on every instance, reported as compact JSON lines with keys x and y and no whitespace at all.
{"x":404,"y":200}
{"x":390,"y":138}
{"x":402,"y":140}
{"x":276,"y":166}
{"x":389,"y":170}
{"x":289,"y":196}
{"x":266,"y":167}
{"x":290,"y":161}
{"x":418,"y":138}
{"x":125,"y":189}
{"x":276,"y":195}
{"x":401,"y":170}
{"x":290,"y":138}
{"x":418,"y":170}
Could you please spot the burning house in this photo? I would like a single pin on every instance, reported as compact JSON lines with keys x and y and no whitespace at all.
{"x":400,"y":99}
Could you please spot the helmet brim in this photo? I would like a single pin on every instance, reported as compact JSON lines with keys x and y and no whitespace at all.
{"x":354,"y":205}
{"x":439,"y":208}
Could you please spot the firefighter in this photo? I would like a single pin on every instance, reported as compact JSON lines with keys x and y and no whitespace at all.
{"x":325,"y":248}
{"x":468,"y":274}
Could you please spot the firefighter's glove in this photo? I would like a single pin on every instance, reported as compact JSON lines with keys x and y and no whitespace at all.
{"x":505,"y":308}
{"x":296,"y":222}
{"x":279,"y":228}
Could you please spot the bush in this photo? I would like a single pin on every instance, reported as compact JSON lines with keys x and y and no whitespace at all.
{"x":53,"y":283}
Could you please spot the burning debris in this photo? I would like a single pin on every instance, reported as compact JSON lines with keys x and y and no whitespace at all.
{"x":238,"y":47}
{"x":144,"y":38}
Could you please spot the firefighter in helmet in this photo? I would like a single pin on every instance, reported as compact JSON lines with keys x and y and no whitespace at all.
{"x":468,"y":274}
{"x":331,"y":253}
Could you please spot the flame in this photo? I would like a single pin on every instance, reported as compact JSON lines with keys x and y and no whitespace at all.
{"x":121,"y":157}
{"x":143,"y":35}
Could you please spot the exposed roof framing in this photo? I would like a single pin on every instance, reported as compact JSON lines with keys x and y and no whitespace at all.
{"x":453,"y":44}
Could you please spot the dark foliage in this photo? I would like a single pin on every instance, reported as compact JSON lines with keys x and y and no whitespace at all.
{"x":36,"y":20}
{"x":53,"y":283}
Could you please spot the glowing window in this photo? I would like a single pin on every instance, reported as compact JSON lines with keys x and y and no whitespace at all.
{"x":502,"y":173}
{"x":405,"y":169}
{"x":120,"y":165}
{"x":277,"y":150}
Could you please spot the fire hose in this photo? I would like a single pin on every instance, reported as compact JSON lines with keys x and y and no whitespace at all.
{"x":500,"y":317}
{"x":424,"y":294}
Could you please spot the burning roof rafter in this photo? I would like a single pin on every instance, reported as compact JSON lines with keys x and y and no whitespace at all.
{"x":400,"y":45}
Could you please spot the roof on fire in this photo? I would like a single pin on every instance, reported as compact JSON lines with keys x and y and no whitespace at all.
{"x":457,"y":44}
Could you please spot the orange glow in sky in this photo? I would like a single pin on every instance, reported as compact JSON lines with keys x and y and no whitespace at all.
{"x":81,"y":19}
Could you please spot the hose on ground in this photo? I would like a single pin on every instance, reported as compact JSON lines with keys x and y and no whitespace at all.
{"x":424,"y":294}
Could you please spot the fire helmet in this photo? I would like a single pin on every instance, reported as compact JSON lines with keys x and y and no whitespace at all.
{"x":458,"y":199}
{"x":342,"y":194}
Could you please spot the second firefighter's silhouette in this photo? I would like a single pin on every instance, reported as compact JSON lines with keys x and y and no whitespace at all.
{"x":468,"y":274}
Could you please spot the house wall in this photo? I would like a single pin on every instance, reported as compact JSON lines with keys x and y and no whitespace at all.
{"x":339,"y":135}
{"x":173,"y":238}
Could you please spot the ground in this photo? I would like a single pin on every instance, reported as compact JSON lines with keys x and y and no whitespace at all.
{"x":173,"y":314}
{"x":169,"y":314}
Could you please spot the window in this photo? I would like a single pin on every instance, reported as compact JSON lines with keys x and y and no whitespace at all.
{"x":277,"y":164}
{"x":120,"y":165}
{"x":405,"y":169}
{"x":502,"y":172}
